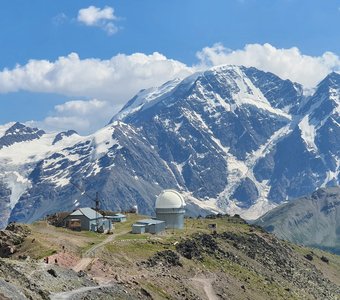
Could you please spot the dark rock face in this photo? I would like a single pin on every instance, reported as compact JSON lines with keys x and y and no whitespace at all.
{"x":11,"y":237}
{"x":19,"y":133}
{"x":62,"y":135}
{"x":5,"y":193}
{"x":246,"y":193}
{"x":280,"y":93}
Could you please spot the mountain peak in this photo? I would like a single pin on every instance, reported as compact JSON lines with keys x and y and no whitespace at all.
{"x":230,"y":83}
{"x":332,"y":79}
{"x":144,"y":97}
{"x":19,"y":132}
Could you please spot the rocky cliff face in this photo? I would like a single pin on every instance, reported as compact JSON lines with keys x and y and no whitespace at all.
{"x":232,"y":138}
{"x":256,"y":135}
{"x":312,"y":221}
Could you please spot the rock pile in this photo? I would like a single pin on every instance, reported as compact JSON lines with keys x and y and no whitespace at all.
{"x":167,"y":258}
{"x":11,"y":237}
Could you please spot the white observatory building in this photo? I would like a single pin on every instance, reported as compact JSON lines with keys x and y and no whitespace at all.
{"x":170,"y":207}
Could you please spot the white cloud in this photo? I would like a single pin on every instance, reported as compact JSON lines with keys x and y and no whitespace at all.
{"x":84,"y":116}
{"x":115,"y":80}
{"x":80,"y":107}
{"x":286,"y":63}
{"x":103,"y":18}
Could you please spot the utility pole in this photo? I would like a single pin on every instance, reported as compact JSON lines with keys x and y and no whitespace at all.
{"x":97,"y":208}
{"x":96,"y":200}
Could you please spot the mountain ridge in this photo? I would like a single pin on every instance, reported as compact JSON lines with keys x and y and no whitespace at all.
{"x":312,"y":220}
{"x":224,"y":137}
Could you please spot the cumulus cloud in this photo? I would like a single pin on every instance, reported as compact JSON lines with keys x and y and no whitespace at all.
{"x":105,"y":85}
{"x":83,"y":116}
{"x":286,"y":63}
{"x":103,"y":18}
{"x":114,"y":80}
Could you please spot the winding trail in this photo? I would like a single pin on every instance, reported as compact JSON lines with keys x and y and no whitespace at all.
{"x":87,"y":258}
{"x":89,"y":255}
{"x":68,"y":295}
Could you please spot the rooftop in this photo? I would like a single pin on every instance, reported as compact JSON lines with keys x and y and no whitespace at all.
{"x":87,"y":212}
{"x":119,"y":215}
{"x":170,"y":199}
{"x":150,"y":221}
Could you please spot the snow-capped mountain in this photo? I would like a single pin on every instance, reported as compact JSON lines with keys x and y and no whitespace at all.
{"x":231,"y":138}
{"x":21,"y":149}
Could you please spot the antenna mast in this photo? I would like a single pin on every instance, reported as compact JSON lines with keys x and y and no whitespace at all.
{"x":96,"y":200}
{"x":97,"y":209}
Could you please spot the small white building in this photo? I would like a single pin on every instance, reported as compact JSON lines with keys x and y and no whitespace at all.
{"x":170,"y":207}
{"x":117,"y":218}
{"x":148,"y":225}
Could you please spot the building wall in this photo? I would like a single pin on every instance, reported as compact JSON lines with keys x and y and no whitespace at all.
{"x":101,"y":222}
{"x":174,"y":218}
{"x":156,"y":228}
{"x":85,"y":222}
{"x":89,"y":225}
{"x":138,"y":229}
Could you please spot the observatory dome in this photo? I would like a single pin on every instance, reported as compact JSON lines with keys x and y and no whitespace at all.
{"x":170,"y":199}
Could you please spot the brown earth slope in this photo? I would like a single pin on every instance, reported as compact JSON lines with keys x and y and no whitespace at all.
{"x":239,"y":261}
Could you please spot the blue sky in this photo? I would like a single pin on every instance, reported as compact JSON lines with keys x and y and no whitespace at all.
{"x":48,"y":31}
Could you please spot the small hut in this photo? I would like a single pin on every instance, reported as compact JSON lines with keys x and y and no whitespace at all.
{"x":87,"y":219}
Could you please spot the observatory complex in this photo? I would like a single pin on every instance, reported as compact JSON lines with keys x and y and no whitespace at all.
{"x":170,"y":207}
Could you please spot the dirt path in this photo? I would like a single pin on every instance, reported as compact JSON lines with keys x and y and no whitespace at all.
{"x":207,"y":287}
{"x":68,"y":295}
{"x":89,"y":255}
{"x":92,"y":251}
{"x":82,"y":264}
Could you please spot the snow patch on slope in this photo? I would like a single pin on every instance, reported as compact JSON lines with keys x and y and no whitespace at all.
{"x":332,"y":175}
{"x":238,"y":170}
{"x":18,"y":185}
{"x":5,"y":127}
{"x":148,"y":96}
{"x":18,"y":160}
{"x":208,"y":204}
{"x":28,"y":152}
{"x":251,"y":95}
{"x":258,"y":209}
{"x":308,"y":134}
{"x":104,"y":141}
